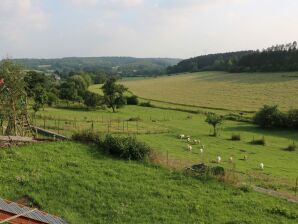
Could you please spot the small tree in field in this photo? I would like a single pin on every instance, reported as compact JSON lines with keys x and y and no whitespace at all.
{"x":214,"y":120}
{"x":113,"y":94}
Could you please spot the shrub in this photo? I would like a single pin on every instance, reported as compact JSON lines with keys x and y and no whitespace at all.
{"x":134,"y":119}
{"x":86,"y":137}
{"x":246,"y":188}
{"x":236,"y":137}
{"x":132,"y":100}
{"x":261,"y":141}
{"x":92,"y":99}
{"x":283,"y":212}
{"x":291,"y":148}
{"x":217,"y":171}
{"x":146,"y":104}
{"x":270,"y":117}
{"x":126,"y":148}
{"x":292,"y":119}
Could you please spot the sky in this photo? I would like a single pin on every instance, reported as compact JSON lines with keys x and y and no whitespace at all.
{"x":142,"y":28}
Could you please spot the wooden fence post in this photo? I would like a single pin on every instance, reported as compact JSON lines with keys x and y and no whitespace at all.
{"x":296,"y":187}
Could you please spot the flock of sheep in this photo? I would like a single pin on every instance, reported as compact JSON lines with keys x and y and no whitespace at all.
{"x":197,"y":141}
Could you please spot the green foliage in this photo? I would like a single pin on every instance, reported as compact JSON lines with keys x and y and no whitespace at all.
{"x":113,"y":94}
{"x":217,"y":171}
{"x":132,"y":100}
{"x":52,"y":98}
{"x":12,"y":94}
{"x":86,"y":137}
{"x":282,"y":211}
{"x":210,"y":62}
{"x":291,"y":148}
{"x":92,"y":100}
{"x":126,"y":148}
{"x":40,"y":95}
{"x":214,"y":120}
{"x":36,"y":107}
{"x":146,"y":104}
{"x":270,"y":117}
{"x":68,"y":91}
{"x":236,"y":137}
{"x":260,"y":141}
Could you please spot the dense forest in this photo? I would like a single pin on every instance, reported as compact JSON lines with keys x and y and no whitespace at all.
{"x":214,"y":62}
{"x":277,"y":58}
{"x":122,"y":66}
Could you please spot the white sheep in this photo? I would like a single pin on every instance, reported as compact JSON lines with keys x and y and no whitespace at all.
{"x":262,"y":166}
{"x":182,"y":136}
{"x":218,"y":159}
{"x":201,"y":150}
{"x":189,"y":148}
{"x":188,"y":139}
{"x":195,"y":141}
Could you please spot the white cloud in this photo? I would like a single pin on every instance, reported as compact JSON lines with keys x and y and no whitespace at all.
{"x":19,"y":19}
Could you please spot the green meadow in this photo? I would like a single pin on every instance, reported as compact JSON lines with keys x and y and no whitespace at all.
{"x":160,"y":129}
{"x":83,"y":185}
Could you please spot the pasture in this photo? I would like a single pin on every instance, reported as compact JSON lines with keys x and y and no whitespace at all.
{"x":219,"y":90}
{"x":81,"y":184}
{"x":160,"y":128}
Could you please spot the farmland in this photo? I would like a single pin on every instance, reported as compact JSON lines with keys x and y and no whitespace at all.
{"x":160,"y":128}
{"x":83,"y":185}
{"x":230,"y":91}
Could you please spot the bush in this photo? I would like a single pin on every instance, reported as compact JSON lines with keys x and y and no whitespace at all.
{"x":217,"y":171}
{"x":92,"y":99}
{"x":86,"y":137}
{"x":146,"y":104}
{"x":270,"y":117}
{"x":134,"y":119}
{"x":126,"y":148}
{"x":246,"y":188}
{"x":236,"y":137}
{"x":291,"y":148}
{"x":292,"y":119}
{"x":132,"y":100}
{"x":283,"y":212}
{"x":258,"y":141}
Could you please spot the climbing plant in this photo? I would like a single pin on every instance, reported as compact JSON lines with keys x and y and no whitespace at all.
{"x":12,"y":94}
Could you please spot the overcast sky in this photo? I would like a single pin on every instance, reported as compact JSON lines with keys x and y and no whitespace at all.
{"x":143,"y":28}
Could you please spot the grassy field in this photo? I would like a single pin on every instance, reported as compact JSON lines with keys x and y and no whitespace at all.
{"x":83,"y":185}
{"x":160,"y":128}
{"x":231,"y":91}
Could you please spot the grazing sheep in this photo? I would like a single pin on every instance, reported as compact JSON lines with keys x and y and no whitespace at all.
{"x":201,"y":150}
{"x":195,"y":141}
{"x":188,"y":139}
{"x":182,"y":136}
{"x":189,"y":148}
{"x":218,"y":159}
{"x":262,"y":166}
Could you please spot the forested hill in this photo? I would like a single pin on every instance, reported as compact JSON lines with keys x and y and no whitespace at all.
{"x":277,"y":58}
{"x":124,"y":66}
{"x":215,"y":62}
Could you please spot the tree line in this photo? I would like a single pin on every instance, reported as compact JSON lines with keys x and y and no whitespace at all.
{"x":45,"y":90}
{"x":276,"y":58}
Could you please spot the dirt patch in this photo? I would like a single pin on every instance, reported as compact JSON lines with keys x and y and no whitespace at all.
{"x":28,"y":201}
